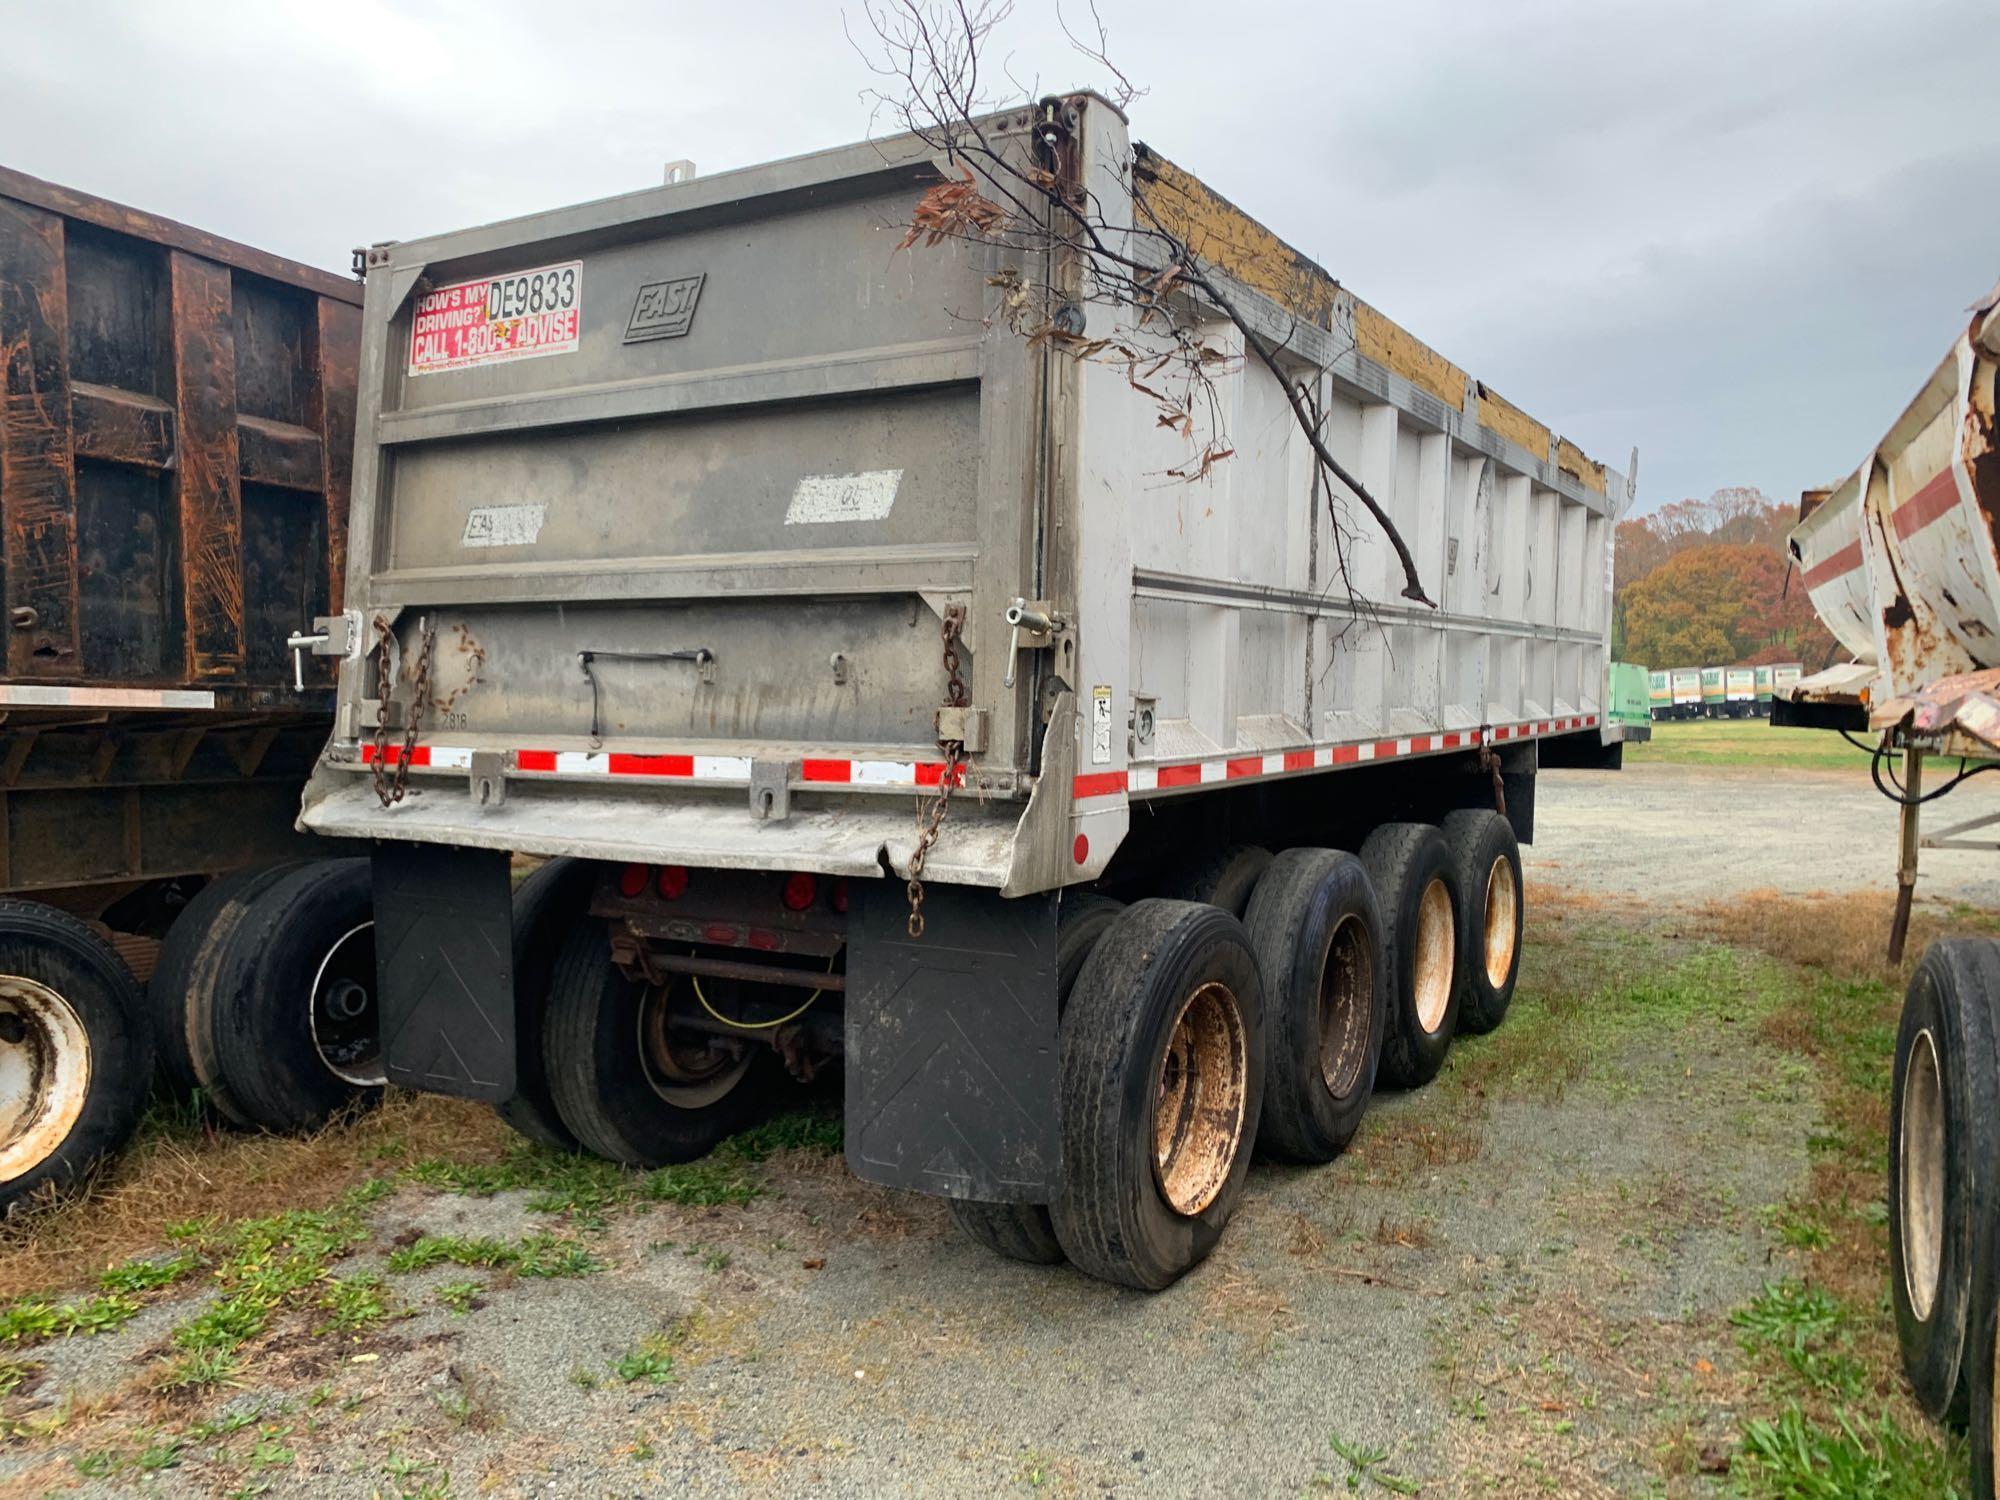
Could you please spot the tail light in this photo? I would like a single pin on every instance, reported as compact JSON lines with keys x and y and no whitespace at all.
{"x":800,"y":889}
{"x":673,"y":881}
{"x":633,"y":879}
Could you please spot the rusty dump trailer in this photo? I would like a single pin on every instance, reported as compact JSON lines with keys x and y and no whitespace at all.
{"x":176,"y":436}
{"x":1903,"y":561}
{"x":703,"y":540}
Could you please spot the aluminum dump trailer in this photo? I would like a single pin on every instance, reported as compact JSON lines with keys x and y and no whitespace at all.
{"x":1903,"y":562}
{"x":701,"y":537}
{"x":176,"y":436}
{"x":1687,"y":692}
{"x":1739,"y":692}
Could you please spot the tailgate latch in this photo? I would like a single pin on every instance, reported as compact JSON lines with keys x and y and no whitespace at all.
{"x":1034,"y":624}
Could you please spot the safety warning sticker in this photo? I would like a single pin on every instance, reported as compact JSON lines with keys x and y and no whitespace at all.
{"x":517,"y":316}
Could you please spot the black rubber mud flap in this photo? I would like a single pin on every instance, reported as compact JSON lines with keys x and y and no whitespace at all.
{"x":444,"y":963}
{"x":951,"y":1043}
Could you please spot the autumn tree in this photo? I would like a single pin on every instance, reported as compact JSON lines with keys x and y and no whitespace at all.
{"x":1692,"y":609}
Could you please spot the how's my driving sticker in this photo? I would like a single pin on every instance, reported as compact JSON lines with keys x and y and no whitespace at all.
{"x":517,"y":316}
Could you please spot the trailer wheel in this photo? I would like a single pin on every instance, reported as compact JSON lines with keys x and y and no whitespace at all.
{"x":1224,"y":878}
{"x":1024,"y":1231}
{"x":552,"y":897}
{"x":1985,"y":1357}
{"x":1162,"y":1078}
{"x":1486,"y":858}
{"x":1317,"y":932}
{"x":625,"y":1085}
{"x":181,"y":993}
{"x":297,"y":1030}
{"x":1944,"y":1152}
{"x":76,"y":1050}
{"x":1410,"y":866}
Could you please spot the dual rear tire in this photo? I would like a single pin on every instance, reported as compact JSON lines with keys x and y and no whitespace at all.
{"x":264,"y":996}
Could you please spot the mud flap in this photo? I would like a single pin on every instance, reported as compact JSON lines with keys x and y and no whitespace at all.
{"x":951,"y":1043}
{"x":444,"y":968}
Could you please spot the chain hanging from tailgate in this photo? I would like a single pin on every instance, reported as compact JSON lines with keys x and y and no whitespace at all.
{"x":390,"y":788}
{"x":955,"y":696}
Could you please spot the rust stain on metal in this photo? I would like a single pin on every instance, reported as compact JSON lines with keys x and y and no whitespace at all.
{"x":210,"y":501}
{"x":36,"y":457}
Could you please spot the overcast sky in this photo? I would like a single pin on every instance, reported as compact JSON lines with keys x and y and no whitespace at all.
{"x":1736,"y":234}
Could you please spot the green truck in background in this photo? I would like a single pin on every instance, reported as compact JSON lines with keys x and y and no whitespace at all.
{"x":1628,"y":700}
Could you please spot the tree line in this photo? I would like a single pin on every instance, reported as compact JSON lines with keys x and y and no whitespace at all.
{"x":1709,"y":583}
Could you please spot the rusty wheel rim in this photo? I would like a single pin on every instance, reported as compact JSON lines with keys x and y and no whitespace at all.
{"x":686,"y":1071}
{"x":1203,"y":1086}
{"x":1503,"y":905}
{"x":1346,"y":993}
{"x":1431,"y":970}
{"x":1921,"y":1146}
{"x":44,"y":1073}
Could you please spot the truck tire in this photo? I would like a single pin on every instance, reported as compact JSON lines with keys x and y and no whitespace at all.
{"x":1486,"y":858}
{"x":628,"y":1101}
{"x":1024,"y":1231}
{"x":76,"y":1050}
{"x":1162,"y":1080}
{"x":297,"y":1030}
{"x":1410,"y":867}
{"x":1985,"y":1360}
{"x":182,"y":990}
{"x":1944,"y":1153}
{"x":1317,"y":932}
{"x":545,"y":905}
{"x":1225,"y":878}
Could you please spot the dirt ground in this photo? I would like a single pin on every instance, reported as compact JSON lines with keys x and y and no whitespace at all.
{"x":1529,"y":1277}
{"x":1687,"y":833}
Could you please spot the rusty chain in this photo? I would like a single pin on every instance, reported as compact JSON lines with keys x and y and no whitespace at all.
{"x":955,"y":696}
{"x":390,"y":789}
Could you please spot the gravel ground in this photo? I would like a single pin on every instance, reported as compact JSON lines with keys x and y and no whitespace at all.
{"x":1690,"y":834}
{"x":1501,"y":1287}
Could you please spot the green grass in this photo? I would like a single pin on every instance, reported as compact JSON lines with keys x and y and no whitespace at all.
{"x":1792,"y":1457}
{"x":34,"y":1320}
{"x":1745,"y":743}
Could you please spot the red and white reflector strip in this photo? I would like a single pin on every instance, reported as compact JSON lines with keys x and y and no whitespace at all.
{"x":723,"y":768}
{"x":1142,"y":781}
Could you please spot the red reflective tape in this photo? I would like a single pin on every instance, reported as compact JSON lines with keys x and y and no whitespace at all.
{"x":651,"y":765}
{"x":931,"y":773}
{"x":535,"y":760}
{"x":1298,"y":760}
{"x":1248,"y":765}
{"x":393,"y":755}
{"x":1345,"y":755}
{"x":826,"y":770}
{"x":1180,"y":775}
{"x":1846,"y":560}
{"x":1099,"y":784}
{"x":1419,"y":742}
{"x":1937,"y":498}
{"x":1448,"y":742}
{"x":1385,"y":749}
